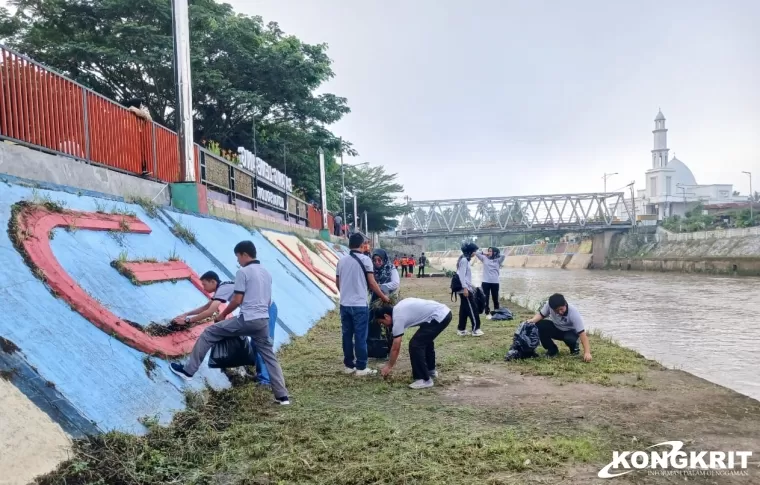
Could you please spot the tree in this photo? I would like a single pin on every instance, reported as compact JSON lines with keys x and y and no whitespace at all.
{"x":376,"y":192}
{"x":243,"y":71}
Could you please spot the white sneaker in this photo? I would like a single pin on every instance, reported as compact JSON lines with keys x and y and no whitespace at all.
{"x":477,"y":333}
{"x":420,"y":384}
{"x":348,"y":370}
{"x":365,"y":372}
{"x":433,"y":374}
{"x":462,"y":333}
{"x":489,"y":317}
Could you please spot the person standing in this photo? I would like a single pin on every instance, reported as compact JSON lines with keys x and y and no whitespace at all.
{"x":432,"y":318}
{"x":253,"y":294}
{"x":411,"y":262}
{"x":354,"y":278}
{"x":422,"y":263}
{"x":467,"y":303}
{"x":492,"y":262}
{"x":404,"y":265}
{"x":337,"y":224}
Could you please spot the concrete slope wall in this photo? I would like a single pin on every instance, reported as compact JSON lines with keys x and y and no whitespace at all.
{"x":73,"y":341}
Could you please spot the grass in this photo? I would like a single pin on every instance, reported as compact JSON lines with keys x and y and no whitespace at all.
{"x":343,"y":430}
{"x":307,"y":244}
{"x":150,"y":207}
{"x":183,"y":232}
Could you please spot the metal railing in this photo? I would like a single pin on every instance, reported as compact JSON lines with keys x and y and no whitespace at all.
{"x":45,"y":110}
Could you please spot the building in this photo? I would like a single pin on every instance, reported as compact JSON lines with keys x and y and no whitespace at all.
{"x":671,"y":188}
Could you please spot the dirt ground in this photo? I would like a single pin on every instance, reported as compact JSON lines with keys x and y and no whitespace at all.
{"x":673,"y":405}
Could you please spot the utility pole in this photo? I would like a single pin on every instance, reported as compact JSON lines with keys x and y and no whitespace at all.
{"x":343,"y":181}
{"x":751,"y":199}
{"x":366,"y":227}
{"x":323,"y":187}
{"x":184,"y":90}
{"x":605,"y":177}
{"x":633,"y":204}
{"x":356,"y":215}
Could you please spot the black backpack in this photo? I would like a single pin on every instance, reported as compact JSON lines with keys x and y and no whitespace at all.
{"x":480,"y":300}
{"x":456,"y":283}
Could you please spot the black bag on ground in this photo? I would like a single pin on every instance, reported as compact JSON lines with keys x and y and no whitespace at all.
{"x":480,"y":300}
{"x":502,"y":314}
{"x":378,"y":341}
{"x":232,"y":352}
{"x":524,"y":343}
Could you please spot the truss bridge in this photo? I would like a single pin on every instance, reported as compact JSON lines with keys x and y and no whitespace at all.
{"x":519,"y":214}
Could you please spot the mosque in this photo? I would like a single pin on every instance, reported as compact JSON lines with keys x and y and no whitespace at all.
{"x":671,"y":188}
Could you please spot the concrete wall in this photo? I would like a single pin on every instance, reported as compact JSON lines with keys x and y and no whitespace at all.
{"x":69,"y":377}
{"x":25,"y":163}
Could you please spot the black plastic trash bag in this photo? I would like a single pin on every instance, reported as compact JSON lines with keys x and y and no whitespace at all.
{"x":524,"y":343}
{"x":502,"y":314}
{"x":379,"y":340}
{"x":481,"y":300}
{"x":232,"y":352}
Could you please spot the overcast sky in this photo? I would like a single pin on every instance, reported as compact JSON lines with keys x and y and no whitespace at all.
{"x":497,"y":97}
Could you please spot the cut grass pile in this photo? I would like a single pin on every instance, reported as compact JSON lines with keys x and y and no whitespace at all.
{"x":347,"y":430}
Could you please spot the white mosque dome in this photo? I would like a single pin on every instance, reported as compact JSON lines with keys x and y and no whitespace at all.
{"x":683,"y":174}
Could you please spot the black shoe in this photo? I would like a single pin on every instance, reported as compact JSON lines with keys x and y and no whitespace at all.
{"x":179,"y":369}
{"x":552,"y":355}
{"x":282,"y":401}
{"x":575,"y":351}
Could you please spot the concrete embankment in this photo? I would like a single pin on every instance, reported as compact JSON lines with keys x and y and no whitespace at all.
{"x":710,"y":252}
{"x":91,"y":283}
{"x":556,"y":256}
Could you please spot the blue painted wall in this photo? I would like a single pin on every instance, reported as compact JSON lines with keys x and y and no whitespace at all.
{"x":102,"y":378}
{"x":299,"y":301}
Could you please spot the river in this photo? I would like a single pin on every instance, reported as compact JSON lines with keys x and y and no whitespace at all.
{"x":705,"y":325}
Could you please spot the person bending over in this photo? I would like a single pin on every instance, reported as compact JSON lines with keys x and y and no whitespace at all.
{"x":492,"y":262}
{"x":354,"y":277}
{"x":253,"y":294}
{"x":558,"y":320}
{"x":432,"y":318}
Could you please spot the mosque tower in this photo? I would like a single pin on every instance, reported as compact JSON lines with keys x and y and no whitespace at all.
{"x":660,"y":152}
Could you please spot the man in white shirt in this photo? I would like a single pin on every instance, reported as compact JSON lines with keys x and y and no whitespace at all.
{"x":432,"y":318}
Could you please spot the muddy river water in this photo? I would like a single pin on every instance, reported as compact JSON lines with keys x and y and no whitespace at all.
{"x":708,"y":326}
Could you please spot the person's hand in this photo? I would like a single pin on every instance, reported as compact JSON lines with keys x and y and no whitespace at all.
{"x":386,"y":370}
{"x":386,"y":299}
{"x":465,"y":293}
{"x":587,"y":357}
{"x":218,"y":318}
{"x":179,"y":320}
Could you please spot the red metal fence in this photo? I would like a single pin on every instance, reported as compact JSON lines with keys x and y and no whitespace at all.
{"x":43,"y":109}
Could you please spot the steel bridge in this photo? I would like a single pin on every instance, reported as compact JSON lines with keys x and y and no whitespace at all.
{"x":520,"y":214}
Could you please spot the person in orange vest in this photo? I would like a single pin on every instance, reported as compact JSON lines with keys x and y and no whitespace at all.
{"x":404,"y":265}
{"x":410,"y":262}
{"x":396,"y":262}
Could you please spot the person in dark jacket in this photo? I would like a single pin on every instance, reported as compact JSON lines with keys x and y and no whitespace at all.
{"x":422,"y":262}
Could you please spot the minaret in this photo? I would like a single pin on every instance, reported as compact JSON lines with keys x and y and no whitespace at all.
{"x":660,"y":152}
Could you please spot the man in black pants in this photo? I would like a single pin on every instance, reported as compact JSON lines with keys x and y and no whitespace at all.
{"x":432,"y":318}
{"x":558,"y":320}
{"x":422,"y":263}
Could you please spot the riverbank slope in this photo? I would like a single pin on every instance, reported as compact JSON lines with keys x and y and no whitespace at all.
{"x":538,"y":421}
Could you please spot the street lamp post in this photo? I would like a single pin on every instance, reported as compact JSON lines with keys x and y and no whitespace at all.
{"x":605,"y":177}
{"x":751,"y":198}
{"x":343,"y":181}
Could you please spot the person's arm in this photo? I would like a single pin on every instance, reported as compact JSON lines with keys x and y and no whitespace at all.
{"x":586,"y":347}
{"x":237,"y":297}
{"x":543,"y":313}
{"x":211,"y":308}
{"x":393,"y":284}
{"x":461,"y":271}
{"x":395,"y":350}
{"x":502,"y":258}
{"x":376,"y":288}
{"x":480,"y":256}
{"x":180,"y":319}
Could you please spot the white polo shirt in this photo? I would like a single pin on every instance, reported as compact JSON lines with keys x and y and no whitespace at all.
{"x":411,"y":312}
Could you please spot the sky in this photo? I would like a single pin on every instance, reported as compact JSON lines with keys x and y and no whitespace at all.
{"x":492,"y":98}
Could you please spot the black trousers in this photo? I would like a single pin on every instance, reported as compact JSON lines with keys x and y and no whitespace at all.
{"x":492,"y":291}
{"x":548,"y":333}
{"x":403,"y":270}
{"x":421,"y":271}
{"x":422,"y":347}
{"x":468,"y":309}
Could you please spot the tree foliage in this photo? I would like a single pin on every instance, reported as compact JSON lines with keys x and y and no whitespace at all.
{"x":243,"y":70}
{"x":376,"y":192}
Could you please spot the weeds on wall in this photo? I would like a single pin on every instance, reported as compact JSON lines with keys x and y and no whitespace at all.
{"x":150,"y":207}
{"x":183,"y":232}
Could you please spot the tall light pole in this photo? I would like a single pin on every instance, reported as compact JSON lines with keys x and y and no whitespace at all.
{"x":751,"y":197}
{"x":356,"y":214}
{"x":343,"y":181}
{"x":605,"y":177}
{"x":323,"y":187}
{"x":184,"y":87}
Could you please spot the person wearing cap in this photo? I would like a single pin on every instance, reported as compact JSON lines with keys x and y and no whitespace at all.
{"x":432,"y":318}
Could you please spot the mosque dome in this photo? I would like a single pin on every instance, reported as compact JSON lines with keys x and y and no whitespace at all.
{"x":660,"y":116}
{"x":682,"y":174}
